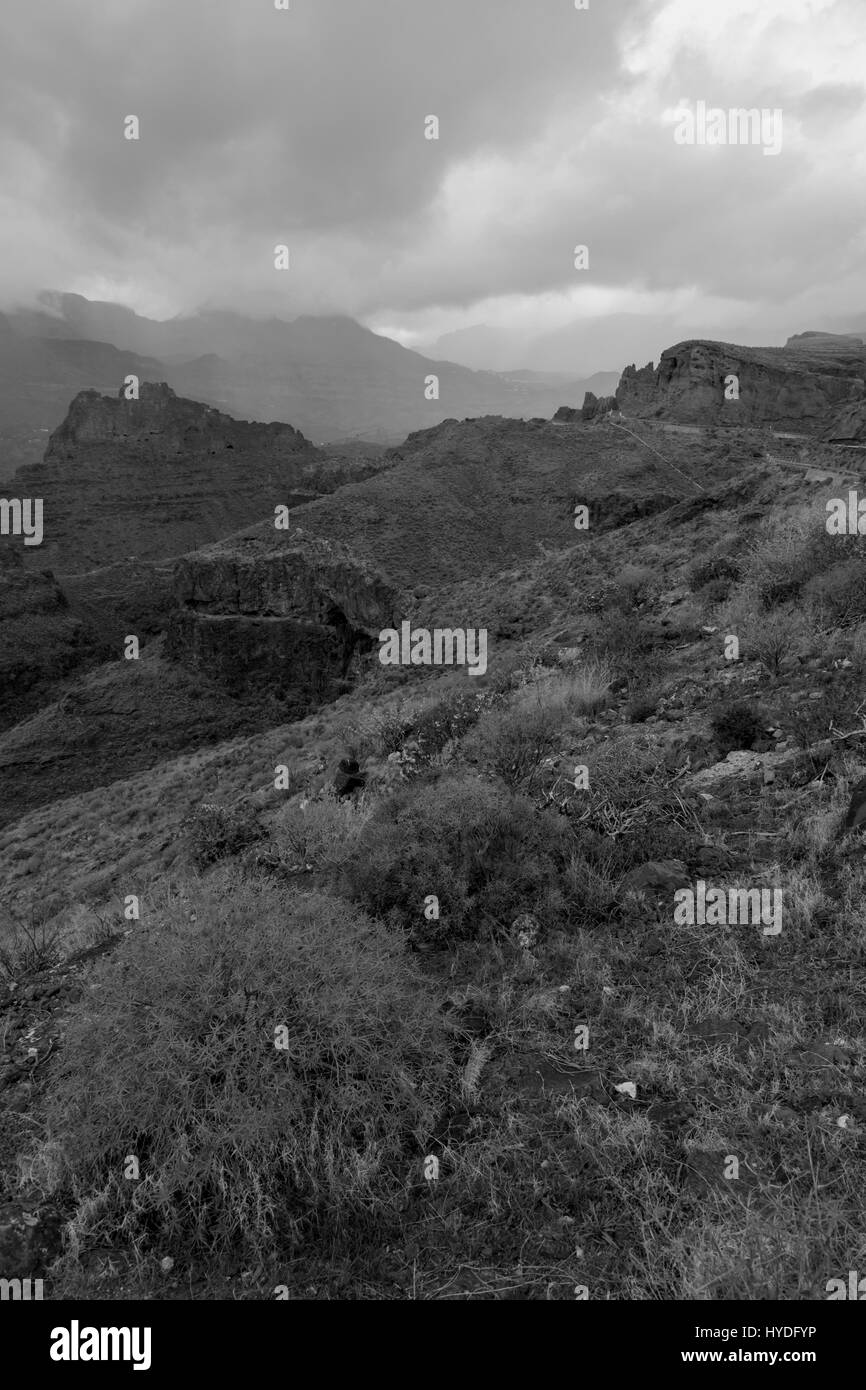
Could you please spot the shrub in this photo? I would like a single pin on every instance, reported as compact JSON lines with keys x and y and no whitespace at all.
{"x":858,"y":649}
{"x":773,"y":636}
{"x":642,"y":706}
{"x":449,"y":719}
{"x":242,"y":1146}
{"x":736,"y":726}
{"x":720,"y":570}
{"x":380,"y":730}
{"x":630,"y":811}
{"x":621,"y":637}
{"x":581,"y":691}
{"x":216,"y":832}
{"x":632,"y":584}
{"x":790,"y":552}
{"x":513,"y":741}
{"x":839,"y":595}
{"x":322,"y":835}
{"x":483,"y":852}
{"x":810,"y":720}
{"x":392,"y":728}
{"x":716,"y":590}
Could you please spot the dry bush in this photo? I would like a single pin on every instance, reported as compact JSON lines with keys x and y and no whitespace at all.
{"x":323,"y":835}
{"x":790,"y":551}
{"x":480,"y":850}
{"x":217,"y":832}
{"x":775,"y":635}
{"x":858,"y":649}
{"x":241,"y":1145}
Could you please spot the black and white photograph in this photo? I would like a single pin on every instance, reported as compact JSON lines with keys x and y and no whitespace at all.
{"x":432,"y":667}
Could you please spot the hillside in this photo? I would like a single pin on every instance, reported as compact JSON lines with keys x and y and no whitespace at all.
{"x":174,"y":820}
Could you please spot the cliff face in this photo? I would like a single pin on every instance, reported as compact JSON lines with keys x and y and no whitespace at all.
{"x":161,"y":425}
{"x":294,"y":616}
{"x":40,"y":640}
{"x":848,"y":424}
{"x":159,"y":476}
{"x":798,"y":387}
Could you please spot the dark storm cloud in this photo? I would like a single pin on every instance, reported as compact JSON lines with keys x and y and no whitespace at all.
{"x":260,"y":126}
{"x":265,"y":123}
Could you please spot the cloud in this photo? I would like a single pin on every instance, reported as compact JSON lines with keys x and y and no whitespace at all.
{"x":306,"y":127}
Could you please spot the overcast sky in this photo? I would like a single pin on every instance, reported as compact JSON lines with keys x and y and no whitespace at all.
{"x":306,"y":126}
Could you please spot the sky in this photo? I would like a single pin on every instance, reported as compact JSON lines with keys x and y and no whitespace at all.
{"x":557,"y":128}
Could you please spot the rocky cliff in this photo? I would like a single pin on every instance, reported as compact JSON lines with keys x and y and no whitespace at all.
{"x":40,"y":639}
{"x":799,"y":387}
{"x":159,"y":476}
{"x":425,"y":539}
{"x":294,"y":616}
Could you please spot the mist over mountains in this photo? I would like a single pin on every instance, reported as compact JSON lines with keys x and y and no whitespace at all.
{"x":330,"y":377}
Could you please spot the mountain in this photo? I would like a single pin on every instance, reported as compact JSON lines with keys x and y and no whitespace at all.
{"x":127,"y":485}
{"x":802,"y":386}
{"x":38,"y":377}
{"x":331,"y":377}
{"x":572,"y":349}
{"x":157,"y":476}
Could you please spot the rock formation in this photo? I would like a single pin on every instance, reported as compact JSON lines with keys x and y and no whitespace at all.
{"x":294,"y":616}
{"x":799,"y":387}
{"x":159,"y":476}
{"x":594,"y":407}
{"x":847,"y":425}
{"x":40,"y":640}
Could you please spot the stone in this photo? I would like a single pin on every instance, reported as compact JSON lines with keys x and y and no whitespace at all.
{"x":348,"y":778}
{"x":656,"y":876}
{"x":525,"y":930}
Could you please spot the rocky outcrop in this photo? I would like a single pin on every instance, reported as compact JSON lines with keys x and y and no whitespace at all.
{"x":799,"y":387}
{"x":159,"y":476}
{"x":296,"y":615}
{"x":160,"y":426}
{"x":847,"y":425}
{"x":40,"y":640}
{"x":594,"y":407}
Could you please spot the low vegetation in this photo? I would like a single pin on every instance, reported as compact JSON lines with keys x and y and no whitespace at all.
{"x":442,"y":1039}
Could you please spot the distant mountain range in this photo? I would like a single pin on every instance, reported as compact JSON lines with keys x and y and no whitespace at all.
{"x":330,"y":377}
{"x":586,"y":342}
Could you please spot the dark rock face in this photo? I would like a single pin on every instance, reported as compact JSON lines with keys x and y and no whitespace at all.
{"x":160,"y":426}
{"x":799,"y":387}
{"x":295,"y":616}
{"x":40,"y":640}
{"x":306,"y":578}
{"x":299,"y":662}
